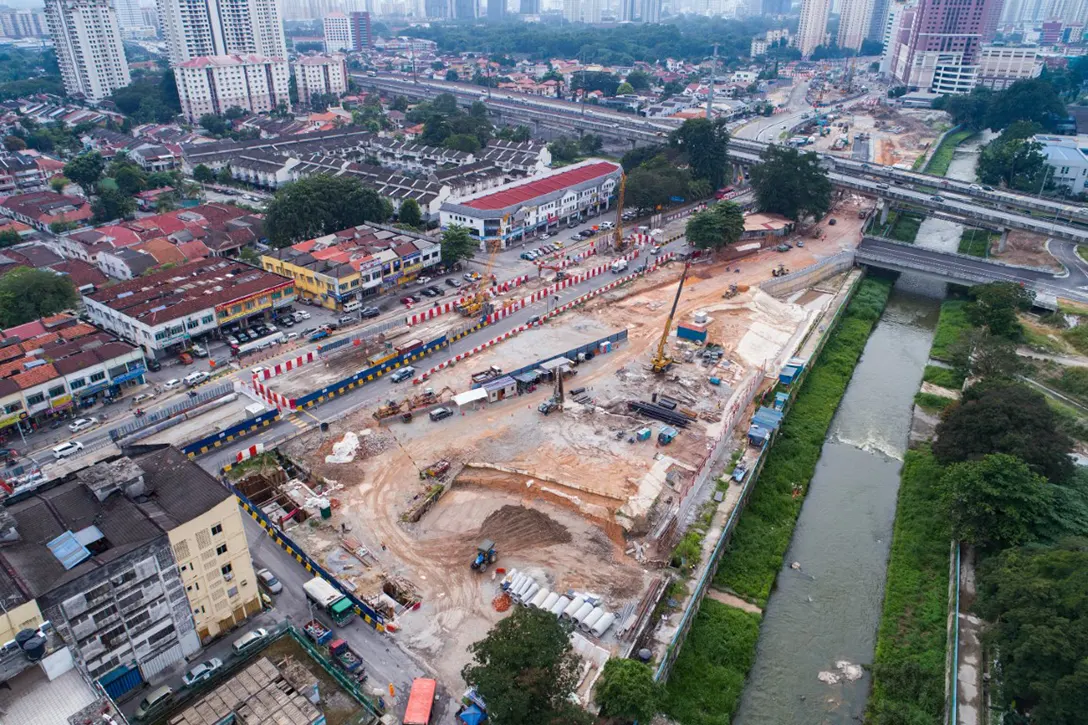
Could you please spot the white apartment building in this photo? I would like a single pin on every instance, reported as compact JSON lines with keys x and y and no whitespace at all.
{"x":213,"y":84}
{"x":337,"y":34}
{"x":87,"y":39}
{"x":812,"y":28}
{"x":582,"y":11}
{"x":650,"y":11}
{"x":854,"y":18}
{"x":321,"y":74}
{"x":1067,"y":159}
{"x":999,"y":67}
{"x":198,"y":28}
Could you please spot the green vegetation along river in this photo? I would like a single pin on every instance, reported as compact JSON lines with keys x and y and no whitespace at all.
{"x":820,"y":623}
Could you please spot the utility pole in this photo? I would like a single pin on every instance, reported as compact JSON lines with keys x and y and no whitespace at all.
{"x":487,"y":67}
{"x":713,"y":75}
{"x":583,"y":63}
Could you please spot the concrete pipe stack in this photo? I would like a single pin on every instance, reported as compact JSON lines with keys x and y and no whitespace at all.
{"x":586,"y":624}
{"x":538,"y":600}
{"x":573,"y":607}
{"x":560,"y":606}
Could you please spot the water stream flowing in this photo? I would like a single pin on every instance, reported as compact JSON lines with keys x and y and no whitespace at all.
{"x":820,"y":623}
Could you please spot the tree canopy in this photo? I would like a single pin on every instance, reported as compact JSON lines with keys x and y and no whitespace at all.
{"x":27,"y":294}
{"x":525,"y":670}
{"x":995,"y":502}
{"x":995,"y":306}
{"x":319,"y":205}
{"x":409,"y":213}
{"x":654,"y":183}
{"x":705,"y":143}
{"x":110,"y":204}
{"x":1014,"y":160}
{"x":457,"y":244}
{"x":997,"y":417}
{"x":1038,"y":604}
{"x":791,"y":183}
{"x":627,"y":691}
{"x":86,"y":170}
{"x":1031,"y":99}
{"x":717,"y":227}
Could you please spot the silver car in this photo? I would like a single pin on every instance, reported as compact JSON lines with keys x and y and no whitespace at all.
{"x":269,"y":581}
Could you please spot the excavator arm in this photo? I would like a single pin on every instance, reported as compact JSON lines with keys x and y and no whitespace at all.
{"x":661,"y":361}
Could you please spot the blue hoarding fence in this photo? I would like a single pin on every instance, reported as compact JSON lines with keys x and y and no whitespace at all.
{"x":202,"y":446}
{"x":369,"y":616}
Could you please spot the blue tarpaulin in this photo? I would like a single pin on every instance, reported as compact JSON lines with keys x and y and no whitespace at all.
{"x":472,"y":715}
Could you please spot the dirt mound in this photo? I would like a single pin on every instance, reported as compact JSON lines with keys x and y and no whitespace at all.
{"x":514,"y":528}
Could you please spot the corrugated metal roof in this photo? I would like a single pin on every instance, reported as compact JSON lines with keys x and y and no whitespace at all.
{"x":68,"y":550}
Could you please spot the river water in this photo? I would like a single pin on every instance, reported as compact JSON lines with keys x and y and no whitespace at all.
{"x":828,"y":611}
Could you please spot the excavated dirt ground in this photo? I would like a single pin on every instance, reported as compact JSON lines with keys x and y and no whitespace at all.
{"x":551,"y":513}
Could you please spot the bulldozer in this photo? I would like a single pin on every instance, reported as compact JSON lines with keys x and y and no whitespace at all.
{"x":734,"y":290}
{"x":782,"y":271}
{"x":391,"y":408}
{"x":485,"y":555}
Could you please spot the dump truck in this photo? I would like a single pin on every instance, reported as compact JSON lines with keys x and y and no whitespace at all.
{"x":346,"y":659}
{"x":330,"y":600}
{"x":318,"y":632}
{"x":484,"y":375}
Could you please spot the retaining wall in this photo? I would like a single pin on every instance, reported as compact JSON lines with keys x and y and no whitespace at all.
{"x":217,"y":440}
{"x":810,"y":275}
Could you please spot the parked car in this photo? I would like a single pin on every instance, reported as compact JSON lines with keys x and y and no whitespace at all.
{"x":248,"y":641}
{"x":231,"y":340}
{"x":304,"y":313}
{"x":196,"y":378}
{"x":142,"y":397}
{"x":67,"y":449}
{"x":199,"y":351}
{"x":269,"y":581}
{"x":153,"y":365}
{"x":288,"y":322}
{"x":156,"y":702}
{"x":185,"y":358}
{"x":242,"y":336}
{"x":545,"y":235}
{"x":407,"y":301}
{"x":403,"y":374}
{"x":528,"y":256}
{"x":440,"y":413}
{"x":369,"y":312}
{"x":437,"y":290}
{"x":82,"y":424}
{"x":201,"y":672}
{"x":423,"y":280}
{"x":171,"y":384}
{"x":429,"y":292}
{"x":292,"y":335}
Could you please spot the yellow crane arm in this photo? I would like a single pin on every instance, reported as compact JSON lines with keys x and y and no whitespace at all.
{"x":661,"y":361}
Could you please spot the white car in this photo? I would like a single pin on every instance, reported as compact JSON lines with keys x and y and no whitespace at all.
{"x":82,"y":423}
{"x":142,"y":397}
{"x":171,"y":384}
{"x":258,"y":370}
{"x":199,"y":351}
{"x":292,"y":335}
{"x":305,"y":314}
{"x":196,"y":378}
{"x":201,"y":672}
{"x":67,"y":449}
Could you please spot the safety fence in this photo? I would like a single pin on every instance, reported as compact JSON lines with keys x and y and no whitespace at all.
{"x":548,"y":315}
{"x":615,"y":338}
{"x":441,"y":308}
{"x":287,"y":365}
{"x":285,"y":542}
{"x":810,"y":275}
{"x":228,"y":435}
{"x":194,"y":399}
{"x":711,"y":566}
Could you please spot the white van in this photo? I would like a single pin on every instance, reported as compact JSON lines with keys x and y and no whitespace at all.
{"x":195,"y":378}
{"x":353,"y":306}
{"x":619,"y":265}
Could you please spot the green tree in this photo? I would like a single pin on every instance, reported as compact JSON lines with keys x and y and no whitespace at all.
{"x":705,"y":143}
{"x":436,"y":130}
{"x":27,"y":294}
{"x":564,"y":149}
{"x":638,"y":80}
{"x":997,"y":417}
{"x":672,"y":88}
{"x":85,"y":170}
{"x":995,"y":306}
{"x":1037,"y":602}
{"x":627,"y":691}
{"x":791,"y":183}
{"x":1031,"y":99}
{"x":639,"y":155}
{"x":203,"y":174}
{"x":57,"y":184}
{"x":590,"y":144}
{"x":410,"y":213}
{"x":224,"y":176}
{"x":452,"y":76}
{"x":400,"y":103}
{"x":969,"y":109}
{"x":249,"y":255}
{"x":457,"y":244}
{"x":112,"y":204}
{"x":979,"y":354}
{"x":624,"y":89}
{"x":995,"y":502}
{"x":654,"y":183}
{"x":8,"y":237}
{"x":462,"y":142}
{"x":215,"y":125}
{"x":1014,"y":160}
{"x":130,"y":179}
{"x":320,"y":205}
{"x":717,"y":227}
{"x":526,"y":670}
{"x":14,"y":143}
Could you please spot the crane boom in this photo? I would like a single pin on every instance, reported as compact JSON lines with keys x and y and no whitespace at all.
{"x":617,"y":235}
{"x":662,"y":362}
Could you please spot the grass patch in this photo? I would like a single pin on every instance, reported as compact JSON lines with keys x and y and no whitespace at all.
{"x":904,"y":226}
{"x":689,"y":552}
{"x":1077,"y":337}
{"x":1082,"y":251}
{"x":977,"y":242}
{"x":944,"y":377}
{"x":952,"y":323}
{"x":1070,"y":421}
{"x":908,"y":668}
{"x":1042,"y":340}
{"x":942,"y":156}
{"x":708,"y":677}
{"x":932,"y":403}
{"x":754,"y":556}
{"x":918,"y":163}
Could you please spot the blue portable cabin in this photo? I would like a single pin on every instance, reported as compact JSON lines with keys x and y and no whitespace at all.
{"x":780,"y":400}
{"x":788,"y":375}
{"x":764,"y":423}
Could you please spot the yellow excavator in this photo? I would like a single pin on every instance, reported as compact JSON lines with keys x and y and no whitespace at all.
{"x":478,"y":303}
{"x":661,"y":361}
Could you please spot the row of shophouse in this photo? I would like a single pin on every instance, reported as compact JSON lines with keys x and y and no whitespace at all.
{"x":354,"y":264}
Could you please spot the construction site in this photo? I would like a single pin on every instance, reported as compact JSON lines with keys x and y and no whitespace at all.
{"x":571,"y":459}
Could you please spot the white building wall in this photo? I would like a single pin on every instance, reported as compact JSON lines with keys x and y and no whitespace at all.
{"x":87,"y":39}
{"x":212,"y":85}
{"x":329,"y":76}
{"x":337,"y":33}
{"x":813,"y":25}
{"x":854,"y":17}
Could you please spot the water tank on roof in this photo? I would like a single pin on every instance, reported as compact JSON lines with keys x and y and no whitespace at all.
{"x":23,"y":636}
{"x":34,"y":648}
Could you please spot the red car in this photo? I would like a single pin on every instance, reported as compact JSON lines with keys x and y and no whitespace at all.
{"x":407,"y":301}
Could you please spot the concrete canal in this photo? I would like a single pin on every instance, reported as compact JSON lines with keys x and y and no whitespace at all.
{"x":820,"y":624}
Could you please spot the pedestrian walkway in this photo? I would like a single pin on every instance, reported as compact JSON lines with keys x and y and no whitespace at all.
{"x":969,"y":664}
